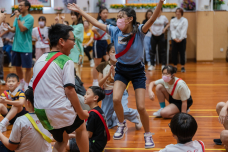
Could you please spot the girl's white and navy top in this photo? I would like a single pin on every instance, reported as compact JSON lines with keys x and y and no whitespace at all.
{"x":101,"y":32}
{"x":135,"y":53}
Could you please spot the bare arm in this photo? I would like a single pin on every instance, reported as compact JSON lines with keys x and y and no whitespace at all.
{"x":16,"y":103}
{"x":184,"y":106}
{"x":149,"y":23}
{"x":95,"y":32}
{"x":90,"y":134}
{"x":76,"y":8}
{"x":166,"y":27}
{"x":223,"y":113}
{"x":73,"y":97}
{"x":90,"y":41}
{"x":21,"y":26}
{"x":151,"y":93}
{"x":101,"y":79}
{"x":7,"y":144}
{"x":4,"y":33}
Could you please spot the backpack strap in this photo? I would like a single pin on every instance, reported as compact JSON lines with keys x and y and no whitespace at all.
{"x":38,"y":28}
{"x":105,"y":125}
{"x":107,"y":94}
{"x":99,"y":38}
{"x":37,"y":128}
{"x":174,"y":87}
{"x":42,"y":71}
{"x":6,"y":94}
{"x":202,"y":144}
{"x":127,"y":47}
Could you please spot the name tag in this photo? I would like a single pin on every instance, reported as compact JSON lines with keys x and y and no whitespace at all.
{"x":120,"y":40}
{"x":88,"y":34}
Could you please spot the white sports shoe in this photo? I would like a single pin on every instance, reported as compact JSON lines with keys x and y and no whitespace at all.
{"x":92,"y":63}
{"x":158,"y":113}
{"x":138,"y":126}
{"x":151,"y":68}
{"x":148,"y":64}
{"x":3,"y":128}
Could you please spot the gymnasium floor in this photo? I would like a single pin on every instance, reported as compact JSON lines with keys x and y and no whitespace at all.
{"x":208,"y":83}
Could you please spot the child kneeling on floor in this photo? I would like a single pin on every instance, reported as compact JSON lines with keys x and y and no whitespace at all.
{"x":24,"y":136}
{"x":183,"y":127}
{"x":14,"y":98}
{"x":95,"y":125}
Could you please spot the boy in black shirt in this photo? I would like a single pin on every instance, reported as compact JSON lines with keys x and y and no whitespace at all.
{"x":95,"y":127}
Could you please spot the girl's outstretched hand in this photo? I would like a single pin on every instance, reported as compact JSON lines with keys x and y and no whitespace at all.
{"x":73,"y":7}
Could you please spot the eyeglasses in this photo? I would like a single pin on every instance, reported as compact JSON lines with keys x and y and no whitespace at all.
{"x":71,"y":39}
{"x":21,"y":5}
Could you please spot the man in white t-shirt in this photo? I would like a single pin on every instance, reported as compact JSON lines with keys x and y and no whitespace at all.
{"x":24,"y":137}
{"x":55,"y":100}
{"x":184,"y":127}
{"x":40,"y":34}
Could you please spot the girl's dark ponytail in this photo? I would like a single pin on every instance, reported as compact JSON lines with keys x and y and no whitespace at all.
{"x":130,"y":13}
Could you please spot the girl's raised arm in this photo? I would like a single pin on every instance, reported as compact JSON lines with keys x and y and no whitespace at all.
{"x":149,"y":23}
{"x":76,"y":8}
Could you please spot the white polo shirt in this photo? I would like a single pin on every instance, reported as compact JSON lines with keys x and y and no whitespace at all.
{"x":181,"y":92}
{"x":29,"y":140}
{"x":193,"y":146}
{"x":51,"y":104}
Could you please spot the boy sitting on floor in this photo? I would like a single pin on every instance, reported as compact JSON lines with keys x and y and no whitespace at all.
{"x":95,"y":127}
{"x":183,"y":127}
{"x":24,"y":137}
{"x":14,"y":98}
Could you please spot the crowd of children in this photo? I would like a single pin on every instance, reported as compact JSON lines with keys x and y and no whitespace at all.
{"x":51,"y":107}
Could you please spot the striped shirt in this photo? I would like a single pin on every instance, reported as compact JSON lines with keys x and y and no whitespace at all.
{"x":15,"y":95}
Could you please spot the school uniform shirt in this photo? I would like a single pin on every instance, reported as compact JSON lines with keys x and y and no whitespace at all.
{"x":78,"y":48}
{"x":29,"y":140}
{"x":23,"y":40}
{"x":178,"y":28}
{"x":181,"y":92}
{"x":159,"y":25}
{"x":44,"y":34}
{"x":104,"y":68}
{"x":52,"y":106}
{"x":135,"y":53}
{"x":87,"y":36}
{"x":17,"y":94}
{"x":95,"y":125}
{"x":1,"y":31}
{"x":101,"y":32}
{"x":193,"y":146}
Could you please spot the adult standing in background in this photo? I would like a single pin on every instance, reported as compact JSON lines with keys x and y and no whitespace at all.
{"x":2,"y":17}
{"x":22,"y":45}
{"x":158,"y":29}
{"x":147,"y":45}
{"x":179,"y":27}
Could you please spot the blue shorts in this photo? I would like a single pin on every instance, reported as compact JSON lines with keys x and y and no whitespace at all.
{"x":22,"y":59}
{"x":23,"y":112}
{"x":134,"y":73}
{"x":99,"y":48}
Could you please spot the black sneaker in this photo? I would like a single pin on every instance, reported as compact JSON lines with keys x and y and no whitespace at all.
{"x":183,"y":70}
{"x":218,"y":141}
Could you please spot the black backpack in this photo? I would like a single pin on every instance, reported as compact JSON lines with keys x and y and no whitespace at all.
{"x":79,"y":88}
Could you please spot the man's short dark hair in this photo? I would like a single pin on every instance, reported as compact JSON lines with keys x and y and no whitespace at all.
{"x":12,"y":75}
{"x":29,"y":96}
{"x":98,"y":92}
{"x":58,"y":31}
{"x":184,"y":126}
{"x":27,"y":3}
